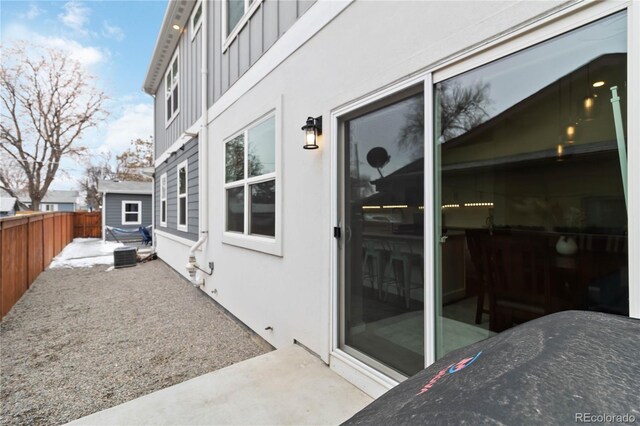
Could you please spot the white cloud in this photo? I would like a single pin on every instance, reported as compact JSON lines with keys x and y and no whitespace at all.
{"x":112,"y":31}
{"x":75,"y":16}
{"x":86,"y":55}
{"x":33,"y":12}
{"x":133,"y":121}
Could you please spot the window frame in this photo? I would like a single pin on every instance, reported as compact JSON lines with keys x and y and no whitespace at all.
{"x":163,"y":199}
{"x":261,"y":243}
{"x":230,"y":34}
{"x":196,"y":27}
{"x":175,"y":82}
{"x":184,"y":165}
{"x":125,"y":212}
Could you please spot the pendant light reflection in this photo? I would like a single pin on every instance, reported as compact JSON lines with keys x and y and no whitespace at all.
{"x":560,"y":152}
{"x":571,"y":133}
{"x":588,"y":106}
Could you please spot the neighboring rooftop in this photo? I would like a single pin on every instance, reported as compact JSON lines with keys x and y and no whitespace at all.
{"x":125,"y":187}
{"x":7,"y":204}
{"x":52,"y":196}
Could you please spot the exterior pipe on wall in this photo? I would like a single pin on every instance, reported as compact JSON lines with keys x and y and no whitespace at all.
{"x":203,"y":224}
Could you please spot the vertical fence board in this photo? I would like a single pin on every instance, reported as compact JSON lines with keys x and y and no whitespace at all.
{"x":14,"y":262}
{"x":57,"y":234}
{"x":34,"y":248}
{"x":27,"y":246}
{"x":48,"y":239}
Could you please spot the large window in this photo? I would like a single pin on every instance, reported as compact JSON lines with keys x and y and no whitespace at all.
{"x":532,"y":196}
{"x":182,"y":182}
{"x":163,"y":199}
{"x":131,"y":212}
{"x":250,"y":180}
{"x":171,"y":88}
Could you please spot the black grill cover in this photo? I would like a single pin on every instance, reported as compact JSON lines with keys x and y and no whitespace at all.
{"x":548,"y":371}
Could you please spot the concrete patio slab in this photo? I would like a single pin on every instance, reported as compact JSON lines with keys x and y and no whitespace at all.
{"x":288,"y":386}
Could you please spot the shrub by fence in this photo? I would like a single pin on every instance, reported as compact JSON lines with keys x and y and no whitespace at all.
{"x":29,"y":242}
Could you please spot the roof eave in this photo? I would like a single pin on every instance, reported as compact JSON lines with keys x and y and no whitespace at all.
{"x":170,"y":18}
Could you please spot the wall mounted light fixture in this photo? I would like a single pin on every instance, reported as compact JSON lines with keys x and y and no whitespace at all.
{"x":312,"y":130}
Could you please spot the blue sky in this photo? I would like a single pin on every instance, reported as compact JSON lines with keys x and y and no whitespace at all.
{"x":114,"y":40}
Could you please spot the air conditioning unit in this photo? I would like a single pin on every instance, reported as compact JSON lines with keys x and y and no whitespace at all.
{"x":124,"y":257}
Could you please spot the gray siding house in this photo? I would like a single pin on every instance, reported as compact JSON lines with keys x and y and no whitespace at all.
{"x":56,"y":201}
{"x":126,"y":206}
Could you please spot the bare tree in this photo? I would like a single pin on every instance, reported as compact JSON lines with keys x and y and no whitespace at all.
{"x":137,"y":157}
{"x":95,"y":171}
{"x":12,"y":177}
{"x":48,"y":101}
{"x":462,"y":107}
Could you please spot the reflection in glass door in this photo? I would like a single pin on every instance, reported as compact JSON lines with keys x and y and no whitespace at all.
{"x":531,"y":169}
{"x":382,"y":318}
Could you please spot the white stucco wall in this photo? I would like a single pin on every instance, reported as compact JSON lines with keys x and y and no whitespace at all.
{"x":368,"y":46}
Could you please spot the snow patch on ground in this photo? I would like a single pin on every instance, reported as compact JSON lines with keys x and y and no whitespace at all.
{"x":85,"y":253}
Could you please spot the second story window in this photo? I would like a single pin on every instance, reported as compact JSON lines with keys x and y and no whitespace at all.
{"x":196,"y":19}
{"x":171,"y":88}
{"x":235,"y":10}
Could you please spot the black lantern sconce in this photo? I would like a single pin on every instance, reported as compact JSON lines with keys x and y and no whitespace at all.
{"x":312,"y":130}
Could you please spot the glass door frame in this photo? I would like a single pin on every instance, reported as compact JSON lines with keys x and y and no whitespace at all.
{"x":554,"y":23}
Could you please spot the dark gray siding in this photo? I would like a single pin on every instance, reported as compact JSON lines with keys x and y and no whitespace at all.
{"x":170,"y":167}
{"x":65,"y":207}
{"x":272,"y":19}
{"x":113,"y":210}
{"x":189,"y":91}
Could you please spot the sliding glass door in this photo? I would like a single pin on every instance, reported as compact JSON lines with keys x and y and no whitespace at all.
{"x":382,"y":321}
{"x":531,"y":185}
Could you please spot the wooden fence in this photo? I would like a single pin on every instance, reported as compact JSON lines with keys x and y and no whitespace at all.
{"x":87,"y":225}
{"x":29,"y":242}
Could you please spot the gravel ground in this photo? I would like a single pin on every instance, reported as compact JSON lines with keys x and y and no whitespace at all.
{"x":83,"y":340}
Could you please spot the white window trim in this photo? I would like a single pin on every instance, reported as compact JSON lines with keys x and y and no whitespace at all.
{"x":163,"y":197}
{"x":196,"y":28}
{"x":185,"y":227}
{"x":556,"y":23}
{"x":265,"y":244}
{"x":249,"y":10}
{"x":167,"y":94}
{"x":124,"y":212}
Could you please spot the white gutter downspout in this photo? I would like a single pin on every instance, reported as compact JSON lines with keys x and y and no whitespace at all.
{"x":203,"y":181}
{"x":103,"y":211}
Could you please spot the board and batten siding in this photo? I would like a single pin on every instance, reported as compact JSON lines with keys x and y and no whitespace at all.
{"x":189,"y":93}
{"x":113,"y":209}
{"x":270,"y":21}
{"x":170,"y":167}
